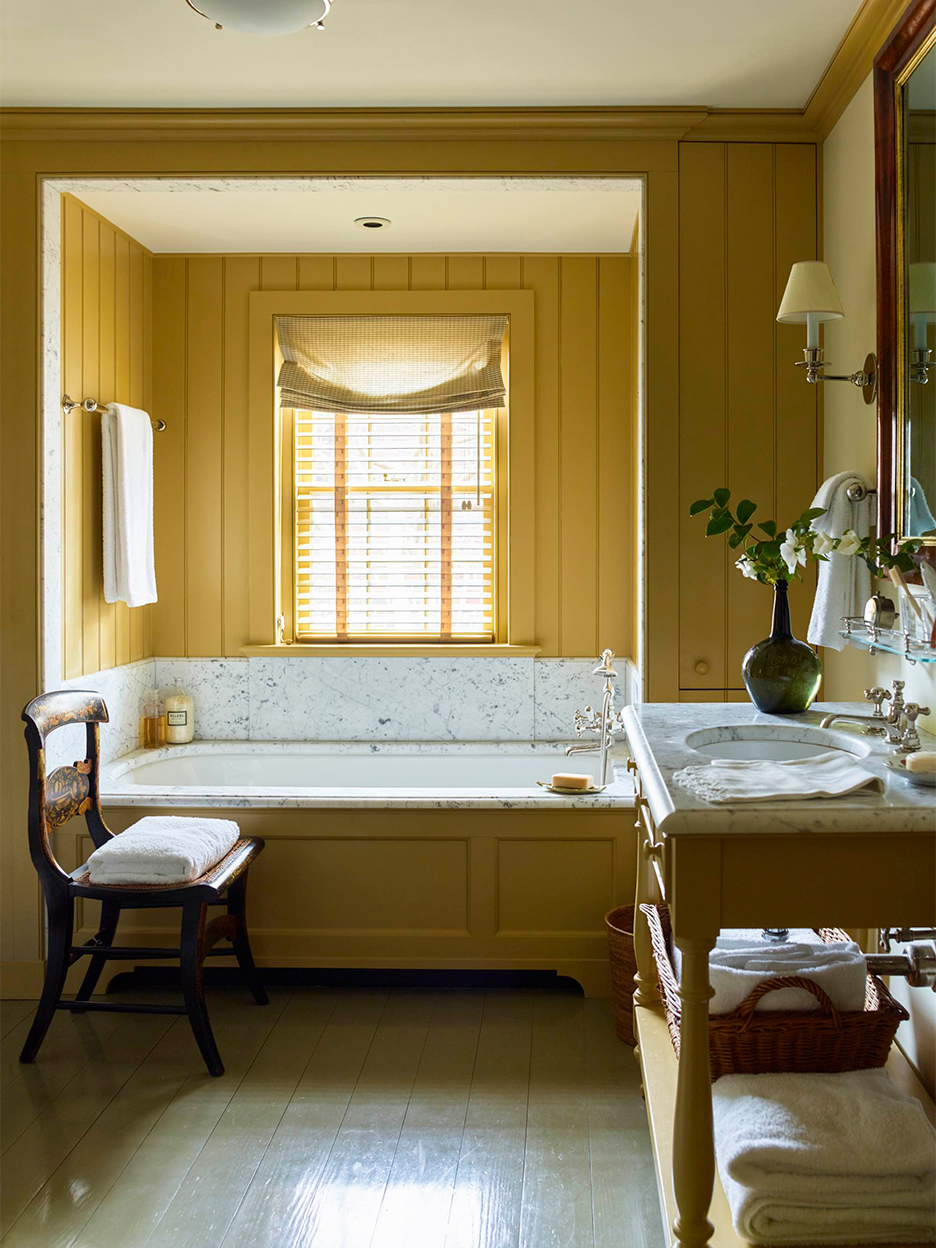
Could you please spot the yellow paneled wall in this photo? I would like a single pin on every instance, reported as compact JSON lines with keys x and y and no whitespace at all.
{"x":107,"y":353}
{"x":586,"y":411}
{"x":747,"y":418}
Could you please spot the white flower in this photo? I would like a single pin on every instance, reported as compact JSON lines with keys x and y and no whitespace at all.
{"x":849,"y":543}
{"x":791,"y":552}
{"x":823,"y":544}
{"x":746,"y":567}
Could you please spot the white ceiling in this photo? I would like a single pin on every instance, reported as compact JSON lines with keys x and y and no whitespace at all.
{"x":376,"y":53}
{"x":317,"y":214}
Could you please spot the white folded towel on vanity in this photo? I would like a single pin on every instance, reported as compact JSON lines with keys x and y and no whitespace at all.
{"x":127,"y":462}
{"x":825,"y":1159}
{"x":756,"y":780}
{"x":844,"y":584}
{"x":163,"y":849}
{"x":838,"y":968}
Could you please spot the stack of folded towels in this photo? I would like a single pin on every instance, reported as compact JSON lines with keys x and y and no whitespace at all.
{"x":743,"y":959}
{"x":161,"y":850}
{"x":825,"y":1159}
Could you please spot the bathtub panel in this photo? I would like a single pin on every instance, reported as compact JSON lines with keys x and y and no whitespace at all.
{"x":430,"y":888}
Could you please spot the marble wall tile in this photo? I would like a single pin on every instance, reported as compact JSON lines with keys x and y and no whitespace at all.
{"x":219,"y":688}
{"x":561,"y":687}
{"x":123,"y":689}
{"x":404,"y":699}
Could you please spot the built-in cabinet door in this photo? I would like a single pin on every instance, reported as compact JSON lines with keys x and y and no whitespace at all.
{"x":747,"y":418}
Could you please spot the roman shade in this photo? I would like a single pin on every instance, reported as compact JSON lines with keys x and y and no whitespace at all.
{"x":391,"y":365}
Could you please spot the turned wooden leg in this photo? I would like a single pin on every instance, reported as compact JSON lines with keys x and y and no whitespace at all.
{"x":110,"y":914}
{"x":693,"y":1143}
{"x":61,"y":910}
{"x":192,"y":946}
{"x":647,"y":992}
{"x":237,"y":907}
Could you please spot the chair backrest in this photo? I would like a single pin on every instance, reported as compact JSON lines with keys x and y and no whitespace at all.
{"x":70,"y":790}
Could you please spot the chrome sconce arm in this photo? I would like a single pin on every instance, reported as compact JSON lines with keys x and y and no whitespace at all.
{"x":865,"y":379}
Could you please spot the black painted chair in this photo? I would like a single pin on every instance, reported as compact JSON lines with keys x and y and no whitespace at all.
{"x":70,"y":791}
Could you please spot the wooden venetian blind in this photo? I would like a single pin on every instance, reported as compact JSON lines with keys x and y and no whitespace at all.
{"x":395,"y":526}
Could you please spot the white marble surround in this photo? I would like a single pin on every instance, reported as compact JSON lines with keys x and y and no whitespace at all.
{"x":354,"y":699}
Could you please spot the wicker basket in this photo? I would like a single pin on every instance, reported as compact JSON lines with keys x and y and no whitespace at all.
{"x":753,"y":1042}
{"x":620,"y":925}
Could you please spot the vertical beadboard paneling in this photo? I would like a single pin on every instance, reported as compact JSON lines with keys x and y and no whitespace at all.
{"x":617,"y":401}
{"x":751,"y":400}
{"x":107,"y":386}
{"x":122,"y":395}
{"x":89,"y":485}
{"x":702,"y":425}
{"x":137,"y":331}
{"x":541,"y":275}
{"x":72,"y":427}
{"x":578,"y":451}
{"x":170,"y":318}
{"x":194,"y":322}
{"x":797,"y":402}
{"x":148,"y":405}
{"x":241,"y":275}
{"x":204,"y":455}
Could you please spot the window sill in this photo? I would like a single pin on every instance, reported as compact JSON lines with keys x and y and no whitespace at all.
{"x":384,"y":650}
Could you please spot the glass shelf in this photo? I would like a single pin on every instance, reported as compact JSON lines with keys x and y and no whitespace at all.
{"x":885,"y":641}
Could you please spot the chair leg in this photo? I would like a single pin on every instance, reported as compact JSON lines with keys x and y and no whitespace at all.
{"x":61,"y":921}
{"x":237,"y":906}
{"x":192,"y":956}
{"x":110,"y":914}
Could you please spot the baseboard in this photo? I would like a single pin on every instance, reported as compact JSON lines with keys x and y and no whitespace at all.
{"x":21,"y":981}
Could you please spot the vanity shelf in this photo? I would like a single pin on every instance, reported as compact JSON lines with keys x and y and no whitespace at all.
{"x":885,"y":640}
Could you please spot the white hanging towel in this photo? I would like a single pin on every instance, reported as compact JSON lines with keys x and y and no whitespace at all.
{"x":129,"y":569}
{"x":844,"y":581}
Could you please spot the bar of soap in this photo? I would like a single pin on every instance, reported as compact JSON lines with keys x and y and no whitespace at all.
{"x":923,"y":760}
{"x":571,"y":780}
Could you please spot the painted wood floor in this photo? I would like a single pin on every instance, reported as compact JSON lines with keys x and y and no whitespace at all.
{"x":346,"y":1119}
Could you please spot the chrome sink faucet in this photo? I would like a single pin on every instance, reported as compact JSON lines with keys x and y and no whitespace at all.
{"x":898,"y":725}
{"x":607,"y":722}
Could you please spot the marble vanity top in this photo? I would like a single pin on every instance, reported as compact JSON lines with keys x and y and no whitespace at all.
{"x":657,"y":735}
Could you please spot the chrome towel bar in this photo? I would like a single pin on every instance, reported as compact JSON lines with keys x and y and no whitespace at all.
{"x":92,"y":405}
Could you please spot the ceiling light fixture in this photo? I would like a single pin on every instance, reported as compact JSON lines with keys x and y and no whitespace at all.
{"x":263,"y":17}
{"x":372,"y":223}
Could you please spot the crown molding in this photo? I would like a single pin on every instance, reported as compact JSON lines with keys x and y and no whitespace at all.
{"x":851,"y":63}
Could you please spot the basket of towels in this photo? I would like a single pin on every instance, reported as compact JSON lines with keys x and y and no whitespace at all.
{"x":805,"y":1005}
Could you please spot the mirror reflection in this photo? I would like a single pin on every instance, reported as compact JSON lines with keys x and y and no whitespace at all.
{"x":919,"y":434}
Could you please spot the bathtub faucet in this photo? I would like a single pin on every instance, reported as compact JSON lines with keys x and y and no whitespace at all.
{"x":607,"y":722}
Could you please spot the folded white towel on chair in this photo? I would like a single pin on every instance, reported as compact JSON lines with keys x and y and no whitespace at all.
{"x":163,"y":849}
{"x":127,"y":462}
{"x":825,"y":1159}
{"x":759,"y":780}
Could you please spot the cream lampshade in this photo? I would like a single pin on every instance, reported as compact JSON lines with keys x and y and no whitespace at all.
{"x":809,"y":289}
{"x":923,"y":287}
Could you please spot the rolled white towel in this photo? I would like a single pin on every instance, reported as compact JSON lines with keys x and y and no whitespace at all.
{"x":838,"y":968}
{"x":831,"y":1159}
{"x":163,"y":849}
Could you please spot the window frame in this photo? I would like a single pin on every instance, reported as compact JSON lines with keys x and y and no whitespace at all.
{"x":270,"y":482}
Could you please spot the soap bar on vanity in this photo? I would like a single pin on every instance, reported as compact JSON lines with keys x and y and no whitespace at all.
{"x":923,"y":761}
{"x":571,"y":780}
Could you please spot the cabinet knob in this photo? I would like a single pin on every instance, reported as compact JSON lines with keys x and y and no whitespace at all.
{"x":702,"y":668}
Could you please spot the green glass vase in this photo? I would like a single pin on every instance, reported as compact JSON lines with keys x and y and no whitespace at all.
{"x":782,"y":675}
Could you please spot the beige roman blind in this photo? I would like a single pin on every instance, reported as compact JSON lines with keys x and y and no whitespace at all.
{"x":394,"y":526}
{"x":380,"y":365}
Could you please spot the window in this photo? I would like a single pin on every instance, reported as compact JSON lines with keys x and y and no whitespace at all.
{"x":394,"y":526}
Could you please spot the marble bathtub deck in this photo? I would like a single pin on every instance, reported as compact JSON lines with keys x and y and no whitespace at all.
{"x":657,"y":735}
{"x":119,"y":789}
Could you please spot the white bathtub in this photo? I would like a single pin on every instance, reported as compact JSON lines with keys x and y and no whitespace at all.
{"x":219,"y":773}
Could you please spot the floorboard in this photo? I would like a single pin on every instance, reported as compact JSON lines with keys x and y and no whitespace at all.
{"x":346,"y":1118}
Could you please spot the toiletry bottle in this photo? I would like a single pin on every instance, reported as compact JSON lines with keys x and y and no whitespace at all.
{"x":180,"y":717}
{"x":153,"y":722}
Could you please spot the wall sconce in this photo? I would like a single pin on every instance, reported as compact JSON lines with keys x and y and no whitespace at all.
{"x":811,"y":297}
{"x":922,"y":304}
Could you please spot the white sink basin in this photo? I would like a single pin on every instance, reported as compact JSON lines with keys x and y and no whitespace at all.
{"x":774,"y":742}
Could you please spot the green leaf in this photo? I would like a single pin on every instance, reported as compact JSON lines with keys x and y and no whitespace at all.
{"x":742,"y":530}
{"x":769,"y":527}
{"x":721,"y":496}
{"x":700,"y":505}
{"x":735,"y":540}
{"x":810,"y":514}
{"x":746,"y":509}
{"x":718,"y":524}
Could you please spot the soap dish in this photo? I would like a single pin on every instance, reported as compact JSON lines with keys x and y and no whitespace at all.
{"x":595,"y":788}
{"x":925,"y":779}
